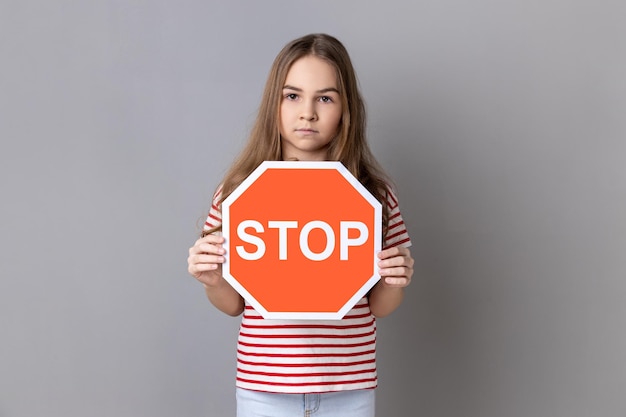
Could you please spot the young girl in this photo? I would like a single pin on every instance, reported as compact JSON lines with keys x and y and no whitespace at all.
{"x":311,"y":110}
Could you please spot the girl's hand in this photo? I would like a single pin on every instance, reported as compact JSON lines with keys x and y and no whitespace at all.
{"x":396,"y":266}
{"x":206,"y":259}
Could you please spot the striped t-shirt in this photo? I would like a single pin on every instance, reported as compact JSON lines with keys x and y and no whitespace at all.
{"x":311,"y":356}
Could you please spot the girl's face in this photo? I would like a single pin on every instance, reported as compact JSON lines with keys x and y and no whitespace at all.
{"x":310,"y":110}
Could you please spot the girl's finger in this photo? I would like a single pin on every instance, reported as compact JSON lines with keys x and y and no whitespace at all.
{"x":210,"y":239}
{"x":391,"y":262}
{"x":206,"y":259}
{"x":197,"y":269}
{"x":203,"y":247}
{"x":397,"y":282}
{"x":396,"y":272}
{"x":393,"y":252}
{"x":396,"y":261}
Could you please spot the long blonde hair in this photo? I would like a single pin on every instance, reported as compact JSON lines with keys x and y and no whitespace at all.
{"x":349,"y":147}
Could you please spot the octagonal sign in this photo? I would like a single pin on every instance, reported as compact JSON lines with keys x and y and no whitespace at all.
{"x":301,"y":240}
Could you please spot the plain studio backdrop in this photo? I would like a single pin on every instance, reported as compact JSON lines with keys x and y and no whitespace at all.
{"x":503,"y":124}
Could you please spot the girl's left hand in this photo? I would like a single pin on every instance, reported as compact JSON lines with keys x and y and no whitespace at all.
{"x":396,"y":266}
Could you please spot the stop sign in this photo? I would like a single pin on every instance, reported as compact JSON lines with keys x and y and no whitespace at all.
{"x":301,"y":240}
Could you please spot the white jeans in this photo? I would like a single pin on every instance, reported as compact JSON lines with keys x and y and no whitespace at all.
{"x":356,"y":403}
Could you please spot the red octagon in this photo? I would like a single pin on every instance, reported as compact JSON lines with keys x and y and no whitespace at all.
{"x":301,"y":240}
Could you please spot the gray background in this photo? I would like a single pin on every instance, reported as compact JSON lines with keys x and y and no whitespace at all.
{"x":502,"y":122}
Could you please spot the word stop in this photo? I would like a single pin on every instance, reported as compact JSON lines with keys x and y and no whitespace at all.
{"x":282,"y":226}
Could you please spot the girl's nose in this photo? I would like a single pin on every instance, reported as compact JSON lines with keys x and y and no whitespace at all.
{"x":308,"y":112}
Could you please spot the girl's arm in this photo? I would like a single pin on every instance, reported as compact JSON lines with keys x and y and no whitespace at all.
{"x":396,"y":270}
{"x":205,"y":264}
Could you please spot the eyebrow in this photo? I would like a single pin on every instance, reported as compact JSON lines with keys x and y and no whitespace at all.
{"x":322,"y":91}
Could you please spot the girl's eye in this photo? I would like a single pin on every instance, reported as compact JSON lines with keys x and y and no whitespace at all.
{"x":291,"y":96}
{"x":326,"y":99}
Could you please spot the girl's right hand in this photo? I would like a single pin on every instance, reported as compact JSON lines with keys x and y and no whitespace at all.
{"x":206,"y":258}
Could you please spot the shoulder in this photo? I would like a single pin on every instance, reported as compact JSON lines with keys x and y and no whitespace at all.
{"x":397,"y":233}
{"x":217,"y":195}
{"x":391,"y":197}
{"x":214,"y":218}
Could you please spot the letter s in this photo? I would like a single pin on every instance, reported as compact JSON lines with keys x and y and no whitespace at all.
{"x":253,"y":240}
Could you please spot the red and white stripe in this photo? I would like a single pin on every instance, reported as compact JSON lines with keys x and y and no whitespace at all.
{"x":214,"y":218}
{"x":397,"y":234}
{"x":303,"y":356}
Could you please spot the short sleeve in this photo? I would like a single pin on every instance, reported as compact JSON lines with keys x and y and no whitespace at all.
{"x":214,"y":219}
{"x":397,"y":234}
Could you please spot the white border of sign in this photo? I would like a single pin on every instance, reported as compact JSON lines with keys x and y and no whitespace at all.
{"x":301,"y":165}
